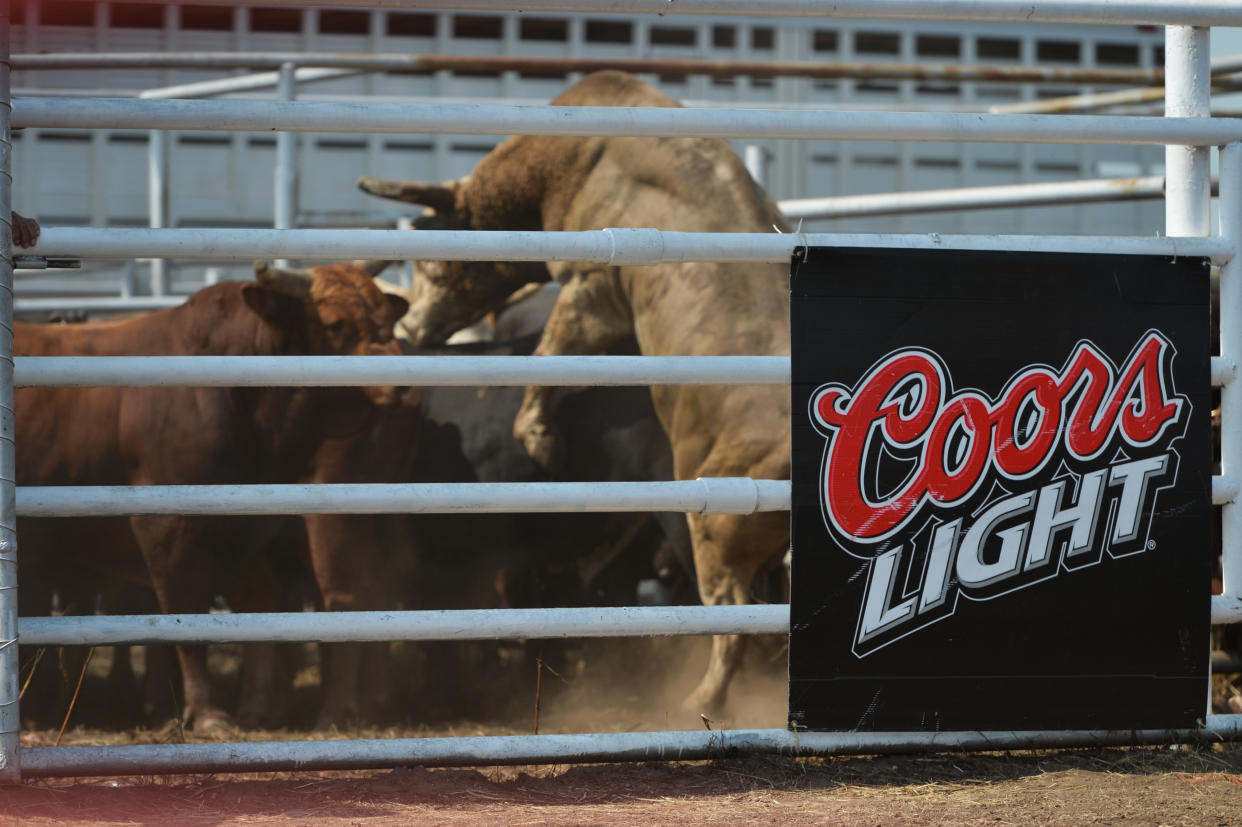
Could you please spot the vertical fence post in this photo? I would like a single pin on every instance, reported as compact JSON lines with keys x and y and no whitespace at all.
{"x":755,"y":157}
{"x":286,"y":163}
{"x":1231,"y":352}
{"x":10,"y":719}
{"x":1188,"y":169}
{"x":157,"y":200}
{"x":1188,"y":94}
{"x":405,"y":275}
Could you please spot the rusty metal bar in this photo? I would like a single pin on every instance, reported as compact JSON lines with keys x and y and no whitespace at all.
{"x":1124,"y":12}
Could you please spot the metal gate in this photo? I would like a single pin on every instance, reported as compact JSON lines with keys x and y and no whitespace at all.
{"x":1188,"y":132}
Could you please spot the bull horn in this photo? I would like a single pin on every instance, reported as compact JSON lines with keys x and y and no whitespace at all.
{"x":439,"y":197}
{"x":525,"y":292}
{"x":373,"y":266}
{"x":389,"y":288}
{"x":284,"y":280}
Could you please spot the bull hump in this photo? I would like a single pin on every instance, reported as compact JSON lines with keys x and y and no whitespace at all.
{"x":613,"y":88}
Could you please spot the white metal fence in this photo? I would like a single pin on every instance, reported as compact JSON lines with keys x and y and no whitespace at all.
{"x":721,"y":61}
{"x":1189,"y":138}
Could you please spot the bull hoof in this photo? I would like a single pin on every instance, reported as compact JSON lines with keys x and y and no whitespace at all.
{"x":213,"y":722}
{"x":704,"y":702}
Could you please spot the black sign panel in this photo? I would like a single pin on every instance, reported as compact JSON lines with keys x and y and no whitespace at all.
{"x":1001,"y":491}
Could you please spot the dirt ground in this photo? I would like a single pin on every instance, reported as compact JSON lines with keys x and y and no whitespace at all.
{"x":1157,"y":786}
{"x":1102,"y":786}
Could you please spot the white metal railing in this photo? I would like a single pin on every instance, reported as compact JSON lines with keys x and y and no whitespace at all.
{"x":502,"y":119}
{"x":565,"y":749}
{"x":709,"y":495}
{"x":346,"y":371}
{"x":1051,"y":193}
{"x":362,"y":627}
{"x":103,"y":304}
{"x":616,"y":246}
{"x":706,"y":495}
{"x":644,"y":246}
{"x":296,"y":68}
{"x":611,"y":246}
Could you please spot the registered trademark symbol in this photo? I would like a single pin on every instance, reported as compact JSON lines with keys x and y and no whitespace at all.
{"x":1151,"y":545}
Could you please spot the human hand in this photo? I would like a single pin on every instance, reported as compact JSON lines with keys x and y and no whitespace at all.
{"x":25,"y":231}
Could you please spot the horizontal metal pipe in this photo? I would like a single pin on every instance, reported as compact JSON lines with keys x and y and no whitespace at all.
{"x":615,"y":246}
{"x":1152,"y":12}
{"x":544,"y":65}
{"x":621,"y":246}
{"x":469,"y":624}
{"x":710,"y":495}
{"x":222,"y":86}
{"x":361,"y":627}
{"x":96,"y":304}
{"x":1226,"y":609}
{"x":438,"y":371}
{"x":505,"y":119}
{"x":359,"y":371}
{"x":714,"y":495}
{"x":577,"y":748}
{"x":1051,"y":193}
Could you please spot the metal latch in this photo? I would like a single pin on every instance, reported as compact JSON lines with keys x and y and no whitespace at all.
{"x":41,"y":263}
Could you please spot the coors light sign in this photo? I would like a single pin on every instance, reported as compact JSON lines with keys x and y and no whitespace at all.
{"x":1001,"y":490}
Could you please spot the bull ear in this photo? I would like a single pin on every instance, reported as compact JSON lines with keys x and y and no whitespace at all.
{"x":440,"y":197}
{"x":394,"y":297}
{"x":397,"y":305}
{"x":267,"y":304}
{"x":283,"y":280}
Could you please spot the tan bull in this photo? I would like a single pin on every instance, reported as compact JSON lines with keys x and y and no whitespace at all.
{"x":684,"y":184}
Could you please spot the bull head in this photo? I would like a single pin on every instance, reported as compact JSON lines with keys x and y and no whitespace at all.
{"x":447,"y":296}
{"x":344,"y":310}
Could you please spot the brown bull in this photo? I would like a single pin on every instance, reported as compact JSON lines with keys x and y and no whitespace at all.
{"x":166,"y":436}
{"x":686,"y":184}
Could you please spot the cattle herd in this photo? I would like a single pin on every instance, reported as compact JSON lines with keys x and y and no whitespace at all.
{"x":156,"y":436}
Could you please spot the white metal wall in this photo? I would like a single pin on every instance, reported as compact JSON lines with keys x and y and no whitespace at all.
{"x":221,"y":179}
